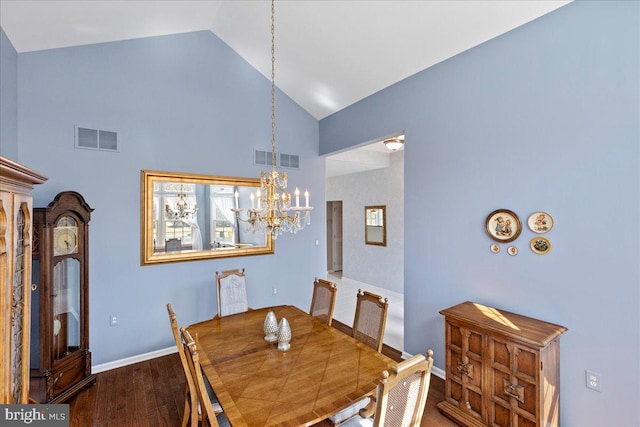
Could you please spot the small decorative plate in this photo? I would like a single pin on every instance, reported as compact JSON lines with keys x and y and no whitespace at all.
{"x":540,"y":245}
{"x":495,"y":248}
{"x":512,"y":250}
{"x":503,"y":225}
{"x":540,"y":222}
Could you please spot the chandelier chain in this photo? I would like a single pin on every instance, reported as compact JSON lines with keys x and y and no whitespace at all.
{"x":273,"y":86}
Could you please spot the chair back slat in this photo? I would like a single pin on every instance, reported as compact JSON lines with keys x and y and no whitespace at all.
{"x":191,"y":387}
{"x":324,"y":300}
{"x":231,"y":287}
{"x":402,"y":394}
{"x":370,"y":319}
{"x":206,"y":407}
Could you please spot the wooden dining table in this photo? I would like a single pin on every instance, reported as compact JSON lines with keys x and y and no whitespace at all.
{"x":322,"y":373}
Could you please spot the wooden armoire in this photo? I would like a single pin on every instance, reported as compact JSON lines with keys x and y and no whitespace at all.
{"x":16,"y":220}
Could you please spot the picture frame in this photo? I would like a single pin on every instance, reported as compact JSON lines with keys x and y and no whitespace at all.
{"x":540,"y":245}
{"x":503,"y":225}
{"x":540,"y":222}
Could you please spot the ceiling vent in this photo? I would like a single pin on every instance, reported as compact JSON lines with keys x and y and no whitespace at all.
{"x":96,"y":139}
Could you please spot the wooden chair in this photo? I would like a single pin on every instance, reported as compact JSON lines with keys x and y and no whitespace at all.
{"x":209,"y":414}
{"x":324,"y":300}
{"x":191,"y":405}
{"x":370,"y":319}
{"x":190,"y":394}
{"x":231,"y":287}
{"x":401,"y":395}
{"x":368,"y":328}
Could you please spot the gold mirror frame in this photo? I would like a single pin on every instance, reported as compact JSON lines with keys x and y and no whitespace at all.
{"x":375,"y":225}
{"x":154,"y":253}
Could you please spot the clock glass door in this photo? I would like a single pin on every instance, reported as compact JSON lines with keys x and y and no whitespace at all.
{"x":66,"y":307}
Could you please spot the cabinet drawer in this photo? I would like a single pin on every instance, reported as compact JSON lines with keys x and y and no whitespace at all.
{"x":67,"y":375}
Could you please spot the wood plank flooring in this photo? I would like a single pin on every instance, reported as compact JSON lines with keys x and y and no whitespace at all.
{"x":150,"y":394}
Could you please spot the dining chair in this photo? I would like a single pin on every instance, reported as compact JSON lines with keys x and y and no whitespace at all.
{"x":368,"y":328}
{"x":191,"y":404}
{"x":401,"y":395}
{"x":323,"y":300}
{"x":231,"y":287}
{"x":208,"y":412}
{"x":370,"y":319}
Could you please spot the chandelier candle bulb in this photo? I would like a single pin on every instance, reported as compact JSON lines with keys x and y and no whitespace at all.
{"x":236,"y":195}
{"x":252,"y":197}
{"x":306,"y":198}
{"x":258,"y":196}
{"x":297,"y":198}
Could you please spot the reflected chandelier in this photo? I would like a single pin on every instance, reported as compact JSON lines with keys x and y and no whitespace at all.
{"x":274,"y":213}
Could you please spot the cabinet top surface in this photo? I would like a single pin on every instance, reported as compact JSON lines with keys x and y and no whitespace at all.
{"x":525,"y":328}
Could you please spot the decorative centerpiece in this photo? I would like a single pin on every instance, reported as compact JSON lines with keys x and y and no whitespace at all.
{"x":284,"y":335}
{"x":270,"y":327}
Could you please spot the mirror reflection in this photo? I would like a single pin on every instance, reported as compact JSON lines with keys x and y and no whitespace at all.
{"x":375,"y":225}
{"x":189,"y":217}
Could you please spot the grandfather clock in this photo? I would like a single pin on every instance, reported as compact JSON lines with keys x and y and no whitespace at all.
{"x":60,"y":356}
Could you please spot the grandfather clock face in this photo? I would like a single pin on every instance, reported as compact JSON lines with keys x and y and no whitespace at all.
{"x":65,"y":236}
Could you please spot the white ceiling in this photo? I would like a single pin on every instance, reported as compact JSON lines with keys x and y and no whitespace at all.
{"x":329,"y":54}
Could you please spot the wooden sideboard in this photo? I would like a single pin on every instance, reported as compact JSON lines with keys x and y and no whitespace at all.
{"x":502,"y":369}
{"x":16,"y":209}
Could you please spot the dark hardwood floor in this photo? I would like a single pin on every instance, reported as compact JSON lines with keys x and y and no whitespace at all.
{"x":150,"y":394}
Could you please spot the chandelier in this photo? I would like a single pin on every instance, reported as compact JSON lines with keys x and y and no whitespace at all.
{"x":274,"y":212}
{"x":181,"y":209}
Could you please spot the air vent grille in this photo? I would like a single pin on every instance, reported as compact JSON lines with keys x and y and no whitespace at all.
{"x":263,"y":158}
{"x":96,"y":139}
{"x":289,"y":161}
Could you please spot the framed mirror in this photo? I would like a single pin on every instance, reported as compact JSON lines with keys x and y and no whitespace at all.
{"x":187,"y":217}
{"x":375,"y":225}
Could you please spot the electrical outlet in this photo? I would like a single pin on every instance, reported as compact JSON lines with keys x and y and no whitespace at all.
{"x":593,"y":380}
{"x":275,"y":291}
{"x":113,"y":320}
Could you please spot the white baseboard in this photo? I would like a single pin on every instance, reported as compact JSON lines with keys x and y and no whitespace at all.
{"x":133,"y":359}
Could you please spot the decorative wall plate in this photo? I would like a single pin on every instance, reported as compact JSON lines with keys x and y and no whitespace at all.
{"x":495,"y":248}
{"x":540,"y":245}
{"x":512,"y":250}
{"x":503,"y":225}
{"x":540,"y":222}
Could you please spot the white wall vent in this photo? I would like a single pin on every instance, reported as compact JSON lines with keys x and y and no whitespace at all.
{"x":96,"y":139}
{"x":289,"y":161}
{"x":262,"y":158}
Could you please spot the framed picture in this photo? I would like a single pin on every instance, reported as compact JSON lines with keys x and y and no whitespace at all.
{"x":540,"y":245}
{"x":540,"y":222}
{"x":503,"y":225}
{"x":495,"y":248}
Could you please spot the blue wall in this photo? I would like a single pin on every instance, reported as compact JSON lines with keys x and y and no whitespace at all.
{"x":8,"y":98}
{"x":545,"y":117}
{"x":183,"y":103}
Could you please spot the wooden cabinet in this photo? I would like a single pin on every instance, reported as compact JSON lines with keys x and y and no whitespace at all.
{"x":502,"y":369}
{"x":16,"y":183}
{"x":60,"y":356}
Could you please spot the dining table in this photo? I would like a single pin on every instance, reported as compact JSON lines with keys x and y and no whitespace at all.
{"x":323,"y":371}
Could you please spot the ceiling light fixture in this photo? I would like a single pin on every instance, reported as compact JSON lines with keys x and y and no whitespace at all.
{"x":274,"y":212}
{"x":394,"y":144}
